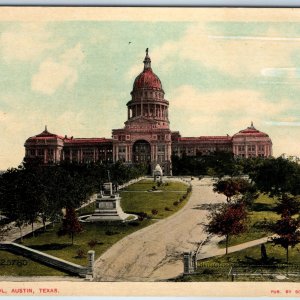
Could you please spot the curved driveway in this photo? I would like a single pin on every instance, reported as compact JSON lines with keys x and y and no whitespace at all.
{"x":155,"y":252}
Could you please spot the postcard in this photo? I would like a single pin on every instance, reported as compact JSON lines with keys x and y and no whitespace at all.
{"x":149,"y":151}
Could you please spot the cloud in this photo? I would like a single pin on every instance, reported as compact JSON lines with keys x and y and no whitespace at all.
{"x":27,"y":42}
{"x":133,"y":72}
{"x":55,"y":74}
{"x":209,"y":113}
{"x":281,"y":72}
{"x":259,"y":38}
{"x":235,"y":55}
{"x":286,"y":123}
{"x":227,"y":112}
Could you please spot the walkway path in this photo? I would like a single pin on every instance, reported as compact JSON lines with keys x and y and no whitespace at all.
{"x":155,"y":252}
{"x":210,"y":250}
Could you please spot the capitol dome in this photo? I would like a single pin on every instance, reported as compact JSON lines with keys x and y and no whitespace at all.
{"x":147,"y":79}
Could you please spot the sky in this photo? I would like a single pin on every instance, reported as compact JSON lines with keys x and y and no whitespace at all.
{"x":76,"y":78}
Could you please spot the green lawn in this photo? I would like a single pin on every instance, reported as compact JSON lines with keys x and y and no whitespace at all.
{"x":248,"y":262}
{"x":259,"y":219}
{"x":17,"y":265}
{"x":106,"y":234}
{"x":135,"y":199}
{"x":145,"y":185}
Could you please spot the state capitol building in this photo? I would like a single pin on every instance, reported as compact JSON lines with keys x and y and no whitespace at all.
{"x":146,"y":137}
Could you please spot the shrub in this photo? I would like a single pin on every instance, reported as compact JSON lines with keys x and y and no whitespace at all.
{"x":92,"y":243}
{"x":175,"y":203}
{"x":154,"y":212}
{"x":80,"y":253}
{"x":167,"y":209}
{"x":142,"y":216}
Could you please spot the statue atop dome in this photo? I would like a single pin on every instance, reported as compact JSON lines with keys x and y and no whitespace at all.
{"x":147,"y":60}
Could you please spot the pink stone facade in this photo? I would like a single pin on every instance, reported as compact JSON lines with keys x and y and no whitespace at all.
{"x":146,"y":137}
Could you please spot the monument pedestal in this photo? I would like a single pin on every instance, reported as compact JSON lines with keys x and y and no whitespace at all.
{"x":107,"y":206}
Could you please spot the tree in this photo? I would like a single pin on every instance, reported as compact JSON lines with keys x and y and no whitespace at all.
{"x":226,"y":220}
{"x":277,"y":177}
{"x":287,"y":230}
{"x":12,"y":203}
{"x":232,"y":187}
{"x":70,"y":224}
{"x":287,"y":204}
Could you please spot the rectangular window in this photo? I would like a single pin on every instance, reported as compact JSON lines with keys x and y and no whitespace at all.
{"x":161,"y":148}
{"x":122,"y":149}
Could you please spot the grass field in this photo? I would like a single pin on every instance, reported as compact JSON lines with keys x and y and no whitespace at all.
{"x":135,"y":199}
{"x":17,"y":265}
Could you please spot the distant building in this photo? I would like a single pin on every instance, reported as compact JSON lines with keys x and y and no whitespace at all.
{"x":146,"y":137}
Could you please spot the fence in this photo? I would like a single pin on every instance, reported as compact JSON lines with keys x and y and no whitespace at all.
{"x":246,"y":272}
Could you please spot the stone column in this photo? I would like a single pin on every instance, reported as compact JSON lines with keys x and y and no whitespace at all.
{"x":117,"y":152}
{"x":186,"y":263}
{"x":256,"y":150}
{"x":130,"y":153}
{"x":126,"y":153}
{"x":91,"y":260}
{"x":45,"y":155}
{"x":128,"y":113}
{"x":265,"y":150}
{"x":97,"y":154}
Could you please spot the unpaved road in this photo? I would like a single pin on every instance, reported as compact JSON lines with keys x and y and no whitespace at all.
{"x":155,"y":252}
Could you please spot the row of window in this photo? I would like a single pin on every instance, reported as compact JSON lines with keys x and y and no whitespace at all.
{"x":251,"y":148}
{"x":250,"y":155}
{"x":148,"y":94}
{"x":50,"y":152}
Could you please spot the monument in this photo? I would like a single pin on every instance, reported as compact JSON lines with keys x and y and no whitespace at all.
{"x":108,"y":207}
{"x":158,"y":173}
